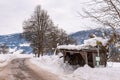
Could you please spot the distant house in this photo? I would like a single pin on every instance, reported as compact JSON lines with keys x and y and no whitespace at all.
{"x":88,"y":53}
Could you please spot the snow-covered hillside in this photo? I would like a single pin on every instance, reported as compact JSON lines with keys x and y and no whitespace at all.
{"x":80,"y":36}
{"x":15,"y":41}
{"x":18,"y":42}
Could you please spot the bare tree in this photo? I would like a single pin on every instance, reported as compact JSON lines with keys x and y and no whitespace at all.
{"x":64,"y":38}
{"x":58,"y":36}
{"x":42,"y":33}
{"x":105,"y":12}
{"x":35,"y":29}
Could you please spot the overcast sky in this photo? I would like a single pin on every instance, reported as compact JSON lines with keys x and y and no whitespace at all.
{"x":63,"y":13}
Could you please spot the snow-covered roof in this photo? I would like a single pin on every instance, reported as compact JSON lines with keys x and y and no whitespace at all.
{"x":92,"y":41}
{"x":87,"y":44}
{"x":72,"y":47}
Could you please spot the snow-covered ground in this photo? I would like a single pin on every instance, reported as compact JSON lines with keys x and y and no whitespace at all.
{"x":55,"y":65}
{"x":6,"y":58}
{"x":87,"y":73}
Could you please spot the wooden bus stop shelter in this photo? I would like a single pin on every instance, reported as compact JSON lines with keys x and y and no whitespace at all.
{"x":82,"y":56}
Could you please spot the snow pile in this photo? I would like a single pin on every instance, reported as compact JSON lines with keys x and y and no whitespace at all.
{"x":87,"y":73}
{"x":53,"y":64}
{"x":17,"y":54}
{"x":113,"y":64}
{"x":72,"y":47}
{"x":92,"y":41}
{"x":11,"y":50}
{"x":6,"y":58}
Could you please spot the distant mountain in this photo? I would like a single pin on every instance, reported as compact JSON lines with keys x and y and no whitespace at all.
{"x":15,"y":41}
{"x":80,"y":36}
{"x":18,"y":42}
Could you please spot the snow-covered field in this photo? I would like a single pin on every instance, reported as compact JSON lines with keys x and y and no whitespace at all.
{"x":55,"y":65}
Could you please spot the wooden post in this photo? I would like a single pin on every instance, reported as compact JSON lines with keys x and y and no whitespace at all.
{"x":93,"y":55}
{"x":86,"y":58}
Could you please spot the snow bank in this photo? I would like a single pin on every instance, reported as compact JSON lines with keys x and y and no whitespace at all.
{"x":55,"y":65}
{"x":113,"y":64}
{"x":6,"y":58}
{"x":11,"y":50}
{"x":92,"y":41}
{"x":87,"y":73}
{"x":17,"y":54}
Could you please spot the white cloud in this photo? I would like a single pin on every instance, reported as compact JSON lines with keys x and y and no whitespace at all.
{"x":62,"y":12}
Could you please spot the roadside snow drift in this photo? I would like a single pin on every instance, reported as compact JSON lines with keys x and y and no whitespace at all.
{"x":6,"y":58}
{"x":55,"y":65}
{"x":87,"y":73}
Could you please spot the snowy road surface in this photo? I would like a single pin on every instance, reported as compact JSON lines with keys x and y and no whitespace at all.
{"x":17,"y":69}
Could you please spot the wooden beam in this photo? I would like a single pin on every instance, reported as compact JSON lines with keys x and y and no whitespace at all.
{"x":94,"y":61}
{"x":86,"y":59}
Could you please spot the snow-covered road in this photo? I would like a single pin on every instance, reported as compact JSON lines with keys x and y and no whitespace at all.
{"x":21,"y":69}
{"x":26,"y":67}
